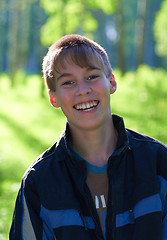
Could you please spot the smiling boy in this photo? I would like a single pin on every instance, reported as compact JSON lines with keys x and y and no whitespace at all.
{"x":100,"y":180}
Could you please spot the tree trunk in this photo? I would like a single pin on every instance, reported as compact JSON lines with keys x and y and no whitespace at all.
{"x":121,"y":35}
{"x":141,"y":24}
{"x":13,"y":38}
{"x":2,"y":31}
{"x":24,"y":34}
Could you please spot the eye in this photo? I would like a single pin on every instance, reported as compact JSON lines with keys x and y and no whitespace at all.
{"x":67,"y":83}
{"x":91,"y":77}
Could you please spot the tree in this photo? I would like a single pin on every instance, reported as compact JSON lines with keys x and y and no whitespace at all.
{"x":24,"y":33}
{"x":23,"y":49}
{"x":120,"y":23}
{"x":13,"y":38}
{"x":3,"y":8}
{"x":69,"y":16}
{"x":141,"y":24}
{"x":160,"y":30}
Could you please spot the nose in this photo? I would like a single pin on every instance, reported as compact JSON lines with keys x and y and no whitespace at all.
{"x":82,"y":88}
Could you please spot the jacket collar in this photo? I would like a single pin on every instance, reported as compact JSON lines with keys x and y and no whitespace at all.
{"x":122,"y":141}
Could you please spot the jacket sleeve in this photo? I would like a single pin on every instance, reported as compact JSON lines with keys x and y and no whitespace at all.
{"x":27,"y":224}
{"x":162,"y":177}
{"x":164,"y":223}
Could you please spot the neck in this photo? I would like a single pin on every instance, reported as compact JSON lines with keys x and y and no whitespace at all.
{"x":95,"y":146}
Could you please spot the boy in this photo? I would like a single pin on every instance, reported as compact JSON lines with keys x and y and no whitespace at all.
{"x":100,"y":180}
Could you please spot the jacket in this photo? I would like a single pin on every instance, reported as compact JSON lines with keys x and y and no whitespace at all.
{"x":54,"y":201}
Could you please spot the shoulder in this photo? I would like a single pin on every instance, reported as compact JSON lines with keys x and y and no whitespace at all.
{"x":137,"y":138}
{"x":149,"y":150}
{"x":42,"y":166}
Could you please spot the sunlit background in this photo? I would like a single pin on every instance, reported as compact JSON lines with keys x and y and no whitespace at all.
{"x":133,"y":32}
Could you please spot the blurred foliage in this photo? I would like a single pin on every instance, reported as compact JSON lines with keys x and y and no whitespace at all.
{"x":116,"y":25}
{"x":141,"y":99}
{"x":107,"y":6}
{"x":160,"y":30}
{"x":69,"y":16}
{"x":29,"y":125}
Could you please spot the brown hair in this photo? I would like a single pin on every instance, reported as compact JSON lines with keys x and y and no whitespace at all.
{"x":78,"y":49}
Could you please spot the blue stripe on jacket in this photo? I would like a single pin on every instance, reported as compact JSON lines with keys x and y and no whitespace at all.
{"x":66,"y":217}
{"x":163,"y":195}
{"x":143,"y":207}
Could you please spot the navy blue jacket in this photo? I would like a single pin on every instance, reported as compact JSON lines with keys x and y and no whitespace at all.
{"x":54,"y":201}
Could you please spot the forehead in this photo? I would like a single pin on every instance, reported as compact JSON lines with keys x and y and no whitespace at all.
{"x":71,"y":67}
{"x":84,"y":57}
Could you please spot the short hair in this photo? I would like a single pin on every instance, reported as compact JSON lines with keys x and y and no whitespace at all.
{"x":80,"y":50}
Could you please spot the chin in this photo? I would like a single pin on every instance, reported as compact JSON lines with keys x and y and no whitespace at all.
{"x":91,"y":125}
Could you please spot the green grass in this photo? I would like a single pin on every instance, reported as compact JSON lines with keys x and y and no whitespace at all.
{"x":29,"y":124}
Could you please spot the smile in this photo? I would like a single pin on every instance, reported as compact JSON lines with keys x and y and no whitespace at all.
{"x":88,"y":106}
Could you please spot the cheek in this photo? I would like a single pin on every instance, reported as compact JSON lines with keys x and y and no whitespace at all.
{"x":103,"y":88}
{"x":64,"y":98}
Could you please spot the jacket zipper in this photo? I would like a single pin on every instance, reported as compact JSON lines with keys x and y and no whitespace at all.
{"x":111,"y":235}
{"x":83,"y":220}
{"x":95,"y":222}
{"x":88,"y":203}
{"x":113,"y":213}
{"x":111,"y":200}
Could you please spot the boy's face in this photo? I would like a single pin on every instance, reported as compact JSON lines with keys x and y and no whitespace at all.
{"x":83,"y":94}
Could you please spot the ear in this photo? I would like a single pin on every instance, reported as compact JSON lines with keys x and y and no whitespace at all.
{"x":52,"y":97}
{"x":113,"y":84}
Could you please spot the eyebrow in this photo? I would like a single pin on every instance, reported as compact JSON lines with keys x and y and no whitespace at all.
{"x":93,"y":68}
{"x":69,"y":74}
{"x":64,"y":75}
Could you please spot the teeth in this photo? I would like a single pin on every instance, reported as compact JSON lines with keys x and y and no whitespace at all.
{"x":87,"y":106}
{"x":83,"y":106}
{"x":87,"y":110}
